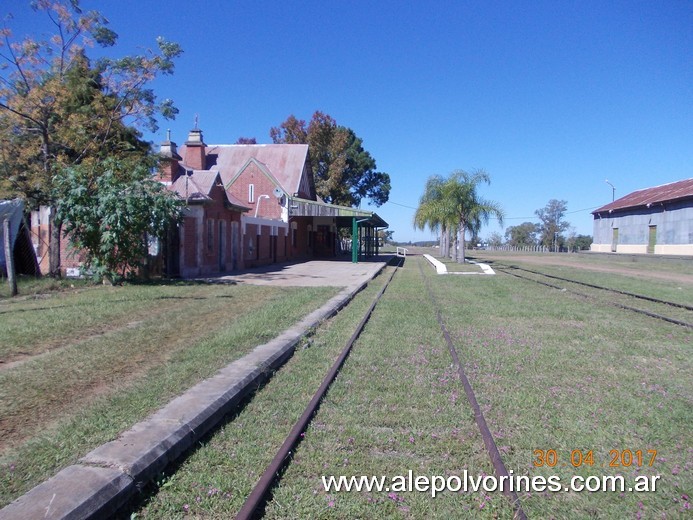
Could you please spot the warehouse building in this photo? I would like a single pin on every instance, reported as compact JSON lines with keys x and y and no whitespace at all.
{"x":656,"y":220}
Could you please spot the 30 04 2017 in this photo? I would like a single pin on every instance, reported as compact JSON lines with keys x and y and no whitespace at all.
{"x":577,"y":458}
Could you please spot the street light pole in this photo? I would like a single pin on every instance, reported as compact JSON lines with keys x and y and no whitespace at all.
{"x":613,"y":190}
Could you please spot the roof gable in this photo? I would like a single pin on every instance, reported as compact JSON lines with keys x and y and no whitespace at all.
{"x":646,"y":197}
{"x":197,"y":186}
{"x":286,"y":163}
{"x":249,"y":162}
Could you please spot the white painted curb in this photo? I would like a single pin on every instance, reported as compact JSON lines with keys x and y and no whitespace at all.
{"x":441,"y":268}
{"x":437,"y":264}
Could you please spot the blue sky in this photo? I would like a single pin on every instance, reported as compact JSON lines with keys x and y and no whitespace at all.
{"x":550,"y":97}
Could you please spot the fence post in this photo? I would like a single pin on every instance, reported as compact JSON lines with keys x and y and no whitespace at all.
{"x":9,"y":257}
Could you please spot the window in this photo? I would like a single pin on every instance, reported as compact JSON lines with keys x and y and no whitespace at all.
{"x":251,"y":193}
{"x":210,"y":235}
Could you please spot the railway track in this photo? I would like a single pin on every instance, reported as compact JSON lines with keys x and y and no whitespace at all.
{"x":266,"y":486}
{"x":259,"y":495}
{"x":262,"y":490}
{"x":671,"y":312}
{"x":486,"y":435}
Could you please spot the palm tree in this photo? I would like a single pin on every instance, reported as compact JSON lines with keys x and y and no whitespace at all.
{"x":434,"y":212}
{"x":452,"y":206}
{"x":471,"y":211}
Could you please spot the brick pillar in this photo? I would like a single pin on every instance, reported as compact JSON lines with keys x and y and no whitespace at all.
{"x":168,"y":161}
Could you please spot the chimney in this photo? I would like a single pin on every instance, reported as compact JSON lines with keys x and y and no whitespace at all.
{"x":195,"y":156}
{"x":168,"y":161}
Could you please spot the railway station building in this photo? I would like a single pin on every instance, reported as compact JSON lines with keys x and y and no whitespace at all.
{"x":657,"y":220}
{"x":247,"y":205}
{"x":250,"y":205}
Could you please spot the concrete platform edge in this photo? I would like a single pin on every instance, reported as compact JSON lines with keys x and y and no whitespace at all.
{"x":109,"y":476}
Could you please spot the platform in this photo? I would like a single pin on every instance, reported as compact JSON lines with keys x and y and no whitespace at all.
{"x":314,"y":273}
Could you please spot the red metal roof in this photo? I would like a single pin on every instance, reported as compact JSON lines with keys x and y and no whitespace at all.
{"x":284,"y":161}
{"x":648,"y":196}
{"x":196,"y":185}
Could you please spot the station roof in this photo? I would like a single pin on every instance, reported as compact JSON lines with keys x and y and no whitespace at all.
{"x":674,"y":191}
{"x":197,"y":186}
{"x":311,"y":208}
{"x":285,"y":161}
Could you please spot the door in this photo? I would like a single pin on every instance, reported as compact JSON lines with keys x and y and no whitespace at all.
{"x":652,"y":242}
{"x":222,"y":246}
{"x":235,"y":245}
{"x":172,"y":251}
{"x":614,"y":240}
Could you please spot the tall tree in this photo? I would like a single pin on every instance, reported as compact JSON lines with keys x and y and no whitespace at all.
{"x":291,"y":131}
{"x":344,"y":172}
{"x":472,"y":211}
{"x":435,"y":213}
{"x":454,"y":202}
{"x":552,"y":225}
{"x":361,"y":175}
{"x":522,"y":235}
{"x":62,"y":111}
{"x":495,"y":239}
{"x":327,"y":145}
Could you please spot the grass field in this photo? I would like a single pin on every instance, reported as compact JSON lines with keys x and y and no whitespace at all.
{"x":78,"y":365}
{"x":550,"y":370}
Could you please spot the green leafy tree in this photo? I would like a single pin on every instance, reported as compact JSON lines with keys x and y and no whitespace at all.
{"x":58,"y":110}
{"x":386,"y":235}
{"x":471,"y":210}
{"x":344,"y":172}
{"x":434,"y":212}
{"x":583,"y":242}
{"x":110,"y":216}
{"x":454,"y":206}
{"x":522,"y":235}
{"x":362,"y":178}
{"x":495,"y":239}
{"x":552,"y":225}
{"x":578,"y":242}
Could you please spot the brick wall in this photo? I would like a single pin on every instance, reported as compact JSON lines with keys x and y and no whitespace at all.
{"x":262,"y":185}
{"x":40,"y":238}
{"x":208,"y":238}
